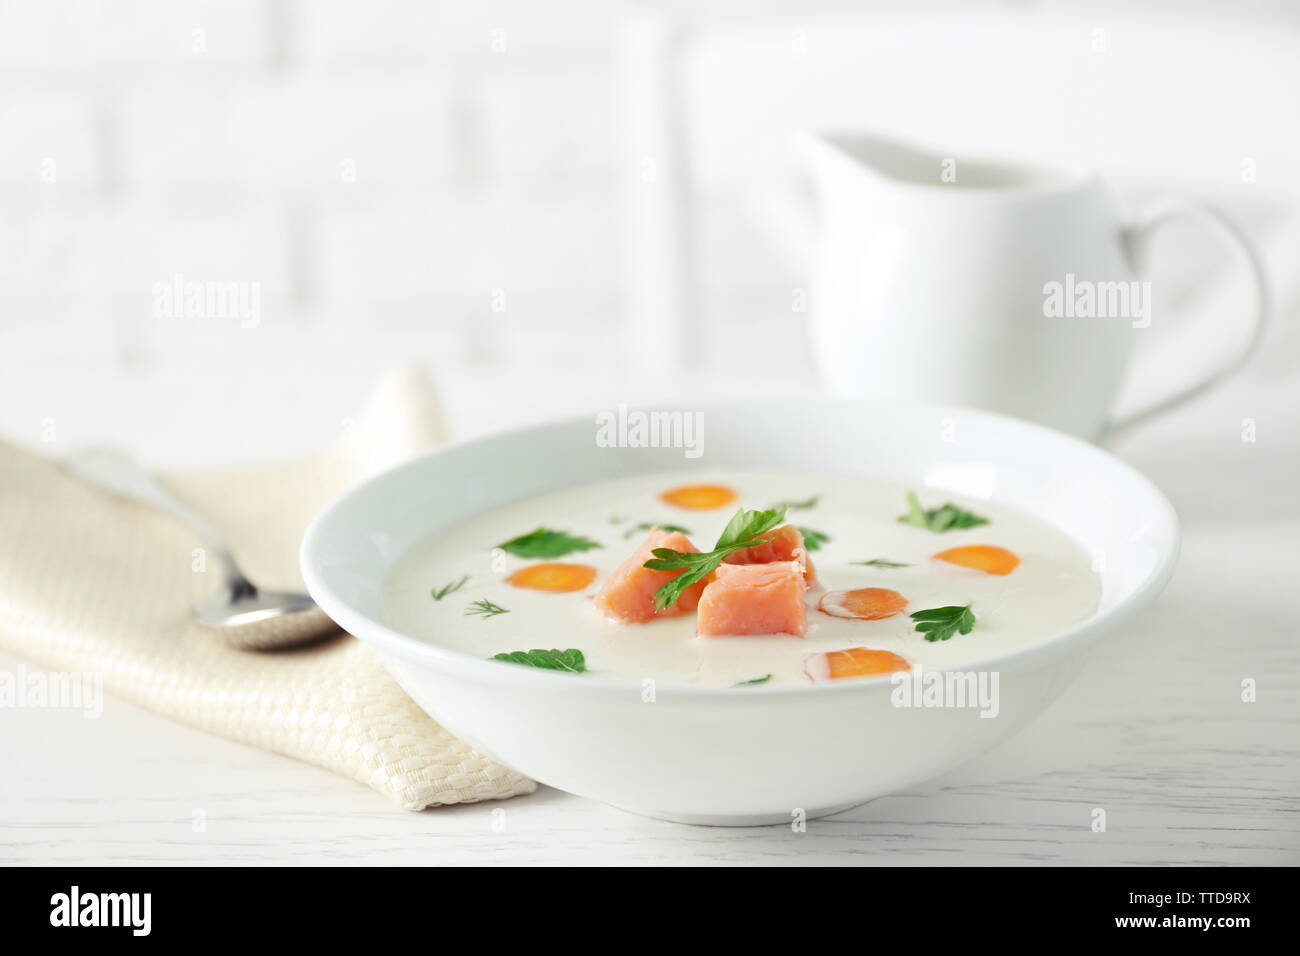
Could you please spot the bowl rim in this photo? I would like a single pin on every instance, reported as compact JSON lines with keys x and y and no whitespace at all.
{"x":386,"y":639}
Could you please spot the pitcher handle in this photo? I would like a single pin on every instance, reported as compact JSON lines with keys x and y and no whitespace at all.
{"x":1156,"y":215}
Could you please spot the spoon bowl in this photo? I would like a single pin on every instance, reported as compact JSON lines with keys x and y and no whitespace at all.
{"x":264,"y":620}
{"x":247,"y":616}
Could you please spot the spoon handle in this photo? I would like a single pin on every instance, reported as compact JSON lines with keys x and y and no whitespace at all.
{"x":115,"y":471}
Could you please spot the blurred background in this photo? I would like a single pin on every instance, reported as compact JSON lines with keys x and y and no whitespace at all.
{"x":552,"y":206}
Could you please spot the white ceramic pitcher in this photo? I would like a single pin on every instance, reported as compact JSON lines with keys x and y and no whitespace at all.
{"x":1004,"y":286}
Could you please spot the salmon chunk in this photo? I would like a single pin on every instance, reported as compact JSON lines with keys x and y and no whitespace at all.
{"x":755,"y":599}
{"x":628,"y":594}
{"x":783,"y":544}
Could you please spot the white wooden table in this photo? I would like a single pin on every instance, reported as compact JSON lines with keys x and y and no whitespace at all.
{"x":1154,"y":731}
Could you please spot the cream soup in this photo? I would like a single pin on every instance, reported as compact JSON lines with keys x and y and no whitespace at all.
{"x":455,"y":590}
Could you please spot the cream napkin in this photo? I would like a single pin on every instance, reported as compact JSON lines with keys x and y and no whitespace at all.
{"x":89,"y":582}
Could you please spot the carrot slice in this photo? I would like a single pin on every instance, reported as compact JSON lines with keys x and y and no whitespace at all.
{"x":553,"y":576}
{"x":699,"y":497}
{"x":863,"y":604}
{"x":988,"y":558}
{"x":854,"y":662}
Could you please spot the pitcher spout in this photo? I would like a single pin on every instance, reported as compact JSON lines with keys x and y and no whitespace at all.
{"x":849,"y":162}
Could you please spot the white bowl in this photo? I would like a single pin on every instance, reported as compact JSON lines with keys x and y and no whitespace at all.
{"x":758,"y":754}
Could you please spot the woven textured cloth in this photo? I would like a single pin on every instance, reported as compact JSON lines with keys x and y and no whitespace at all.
{"x":92,"y":583}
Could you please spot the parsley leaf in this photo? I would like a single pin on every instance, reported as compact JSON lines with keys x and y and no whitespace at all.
{"x":570,"y":660}
{"x":694,"y":567}
{"x":742,"y":531}
{"x":881,"y":563}
{"x":650,"y":525}
{"x":947,"y":518}
{"x":754,"y":682}
{"x":813,"y":540}
{"x":799,"y":505}
{"x":440,"y":593}
{"x":545,"y":543}
{"x":941,"y":623}
{"x":485,"y":608}
{"x":748,"y":524}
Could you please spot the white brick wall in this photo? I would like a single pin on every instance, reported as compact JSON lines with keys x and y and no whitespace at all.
{"x":116,"y":251}
{"x":333,"y":31}
{"x":49,"y":143}
{"x":384,"y":166}
{"x":56,"y":35}
{"x":446,"y":169}
{"x":441,"y":246}
{"x":543,"y":127}
{"x":285,"y":136}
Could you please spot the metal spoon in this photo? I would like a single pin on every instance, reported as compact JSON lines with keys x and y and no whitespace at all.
{"x":246,"y":615}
